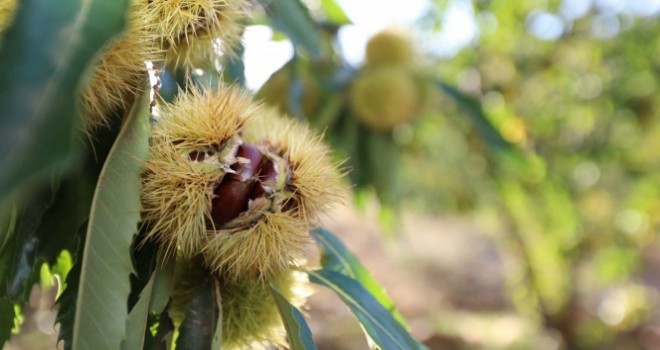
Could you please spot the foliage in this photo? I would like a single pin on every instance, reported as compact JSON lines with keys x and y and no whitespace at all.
{"x":553,"y":137}
{"x":113,"y":222}
{"x":39,"y":96}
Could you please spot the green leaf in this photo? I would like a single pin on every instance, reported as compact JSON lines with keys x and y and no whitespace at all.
{"x":66,"y":223}
{"x":22,"y":277}
{"x":334,"y":12}
{"x":164,"y":279}
{"x":477,"y":115}
{"x":66,"y":311}
{"x":69,"y":211}
{"x":217,"y":335}
{"x":329,"y":113}
{"x":8,"y":217}
{"x":386,"y":332}
{"x":381,"y":158}
{"x":44,"y":58}
{"x":7,"y":314}
{"x":137,"y":318}
{"x":49,"y":223}
{"x":202,"y":326}
{"x":234,"y":67}
{"x":336,"y":257}
{"x":101,"y":307}
{"x":292,"y":17}
{"x":295,"y":93}
{"x":297,"y":330}
{"x":151,"y":287}
{"x":169,"y":83}
{"x":19,"y":253}
{"x":350,"y":138}
{"x":150,"y":293}
{"x":144,"y":258}
{"x":162,"y":340}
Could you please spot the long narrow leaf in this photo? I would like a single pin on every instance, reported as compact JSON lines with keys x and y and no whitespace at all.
{"x":153,"y":299}
{"x":160,"y":296}
{"x":234,"y":67}
{"x":297,"y":330}
{"x":292,"y":17}
{"x":334,"y":13}
{"x":44,"y":57}
{"x":69,"y":211}
{"x":381,"y":158}
{"x":475,"y":112}
{"x":137,"y":319}
{"x":66,"y":310}
{"x":6,"y":320}
{"x":101,"y":308}
{"x":217,"y":335}
{"x":337,"y":257}
{"x":18,"y":256}
{"x":378,"y":322}
{"x":67,"y":221}
{"x":203,"y":317}
{"x":162,"y":340}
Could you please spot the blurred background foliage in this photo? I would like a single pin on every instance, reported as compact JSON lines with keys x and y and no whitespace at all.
{"x":543,"y":126}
